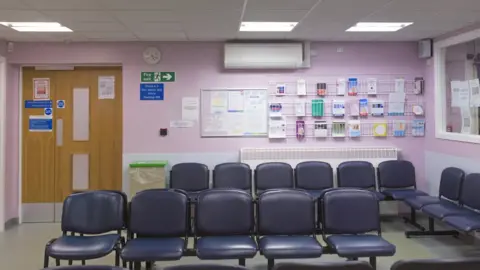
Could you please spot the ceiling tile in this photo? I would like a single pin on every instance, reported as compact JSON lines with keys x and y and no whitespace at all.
{"x":172,"y":4}
{"x":12,"y":4}
{"x":108,"y":35}
{"x":161,"y":36}
{"x":436,"y":5}
{"x":155,"y":27}
{"x":22,"y":16}
{"x":274,"y":15}
{"x":261,"y":35}
{"x":280,"y":4}
{"x":96,"y":26}
{"x":78,"y":16}
{"x":146,"y":16}
{"x":64,"y":4}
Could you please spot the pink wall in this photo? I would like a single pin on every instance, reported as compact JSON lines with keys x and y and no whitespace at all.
{"x":199,"y":65}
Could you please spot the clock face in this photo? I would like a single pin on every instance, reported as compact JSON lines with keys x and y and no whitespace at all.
{"x":152,"y":55}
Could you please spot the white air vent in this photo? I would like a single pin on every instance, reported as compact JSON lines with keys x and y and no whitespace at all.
{"x":265,"y":55}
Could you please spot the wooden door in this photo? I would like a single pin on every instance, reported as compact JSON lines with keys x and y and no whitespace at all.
{"x":87,"y":135}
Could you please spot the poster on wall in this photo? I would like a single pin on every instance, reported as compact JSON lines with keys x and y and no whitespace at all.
{"x":41,"y":88}
{"x":106,"y":87}
{"x":190,"y":108}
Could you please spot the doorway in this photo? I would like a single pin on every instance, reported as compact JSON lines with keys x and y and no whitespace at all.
{"x":71,"y":136}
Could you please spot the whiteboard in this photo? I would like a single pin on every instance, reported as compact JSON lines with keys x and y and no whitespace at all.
{"x":234,"y":112}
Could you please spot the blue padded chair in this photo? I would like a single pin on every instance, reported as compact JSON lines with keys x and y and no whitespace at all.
{"x":273,"y":175}
{"x":352,"y":265}
{"x":85,"y":267}
{"x":93,"y":215}
{"x":314,"y":177}
{"x":158,"y":226}
{"x":396,"y":179}
{"x":450,"y":186}
{"x":358,"y":174}
{"x":437,"y":264}
{"x":233,"y":175}
{"x":286,"y":225}
{"x":224,"y":225}
{"x":204,"y":267}
{"x":470,"y":220}
{"x":348,"y":215}
{"x":190,"y":177}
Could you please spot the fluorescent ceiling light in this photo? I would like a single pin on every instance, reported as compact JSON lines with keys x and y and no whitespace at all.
{"x":267,"y":26}
{"x":378,"y":26}
{"x":36,"y":26}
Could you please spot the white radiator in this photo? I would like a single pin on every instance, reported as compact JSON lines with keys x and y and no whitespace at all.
{"x":332,"y":155}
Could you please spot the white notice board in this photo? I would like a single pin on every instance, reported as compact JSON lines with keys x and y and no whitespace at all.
{"x":234,"y":112}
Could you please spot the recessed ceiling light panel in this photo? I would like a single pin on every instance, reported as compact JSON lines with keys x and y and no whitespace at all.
{"x":36,"y":26}
{"x":378,"y":26}
{"x":267,"y":26}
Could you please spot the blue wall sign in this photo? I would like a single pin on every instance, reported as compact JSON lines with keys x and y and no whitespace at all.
{"x":61,"y":104}
{"x":40,"y":123}
{"x":151,"y":91}
{"x":48,"y":111}
{"x":38,"y":104}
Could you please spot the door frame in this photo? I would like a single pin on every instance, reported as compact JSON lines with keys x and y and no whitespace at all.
{"x":20,"y":119}
{"x":3,"y":119}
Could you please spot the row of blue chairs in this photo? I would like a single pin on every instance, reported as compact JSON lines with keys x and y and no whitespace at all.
{"x":228,"y":224}
{"x":396,"y":178}
{"x":423,"y":264}
{"x":457,"y":204}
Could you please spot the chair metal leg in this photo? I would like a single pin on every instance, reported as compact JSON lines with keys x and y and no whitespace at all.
{"x":70,"y":262}
{"x":271,"y":263}
{"x":124,"y":264}
{"x":57,"y":262}
{"x":431,"y":231}
{"x":373,"y":262}
{"x":148,"y":265}
{"x":413,"y":220}
{"x":241,"y":262}
{"x":45,"y":260}
{"x":137,"y":265}
{"x":117,"y":255}
{"x":130,"y":265}
{"x":83,"y":262}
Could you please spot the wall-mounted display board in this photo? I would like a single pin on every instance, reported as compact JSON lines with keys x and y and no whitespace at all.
{"x":234,"y":112}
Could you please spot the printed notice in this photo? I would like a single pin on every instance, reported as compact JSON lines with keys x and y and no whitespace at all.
{"x":41,"y":88}
{"x":236,"y":101}
{"x":106,"y":87}
{"x":181,"y":124}
{"x":474,"y":93}
{"x":190,"y":107}
{"x":460,"y":93}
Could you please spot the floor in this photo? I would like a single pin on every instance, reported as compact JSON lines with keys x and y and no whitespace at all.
{"x":21,"y":248}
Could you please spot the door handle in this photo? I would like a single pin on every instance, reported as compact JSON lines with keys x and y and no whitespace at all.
{"x":59,"y":134}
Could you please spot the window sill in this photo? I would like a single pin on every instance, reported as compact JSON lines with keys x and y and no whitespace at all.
{"x":469,"y":138}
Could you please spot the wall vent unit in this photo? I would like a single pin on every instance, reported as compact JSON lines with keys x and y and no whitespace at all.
{"x":267,"y":55}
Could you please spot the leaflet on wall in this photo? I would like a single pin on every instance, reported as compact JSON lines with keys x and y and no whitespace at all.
{"x":460,"y":93}
{"x":236,"y":101}
{"x":396,"y":103}
{"x":400,"y":85}
{"x":372,"y":86}
{"x":301,"y":87}
{"x":474,"y":93}
{"x":190,"y":109}
{"x":218,"y":102}
{"x":106,"y":87}
{"x":41,"y":88}
{"x":466,"y":120}
{"x":341,"y":86}
{"x":354,"y":128}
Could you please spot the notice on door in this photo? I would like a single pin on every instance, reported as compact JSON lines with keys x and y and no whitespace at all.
{"x":106,"y":87}
{"x":41,"y":88}
{"x":40,"y":123}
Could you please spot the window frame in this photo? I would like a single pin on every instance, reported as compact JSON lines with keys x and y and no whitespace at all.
{"x":439,"y":58}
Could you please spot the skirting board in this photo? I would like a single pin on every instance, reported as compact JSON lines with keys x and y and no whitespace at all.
{"x":11,"y":223}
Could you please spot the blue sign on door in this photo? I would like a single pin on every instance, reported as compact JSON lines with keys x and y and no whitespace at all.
{"x":40,"y":123}
{"x":48,"y":111}
{"x":38,"y":104}
{"x":151,"y":91}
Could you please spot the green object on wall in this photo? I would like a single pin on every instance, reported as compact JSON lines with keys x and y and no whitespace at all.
{"x":317,"y":108}
{"x":148,"y":164}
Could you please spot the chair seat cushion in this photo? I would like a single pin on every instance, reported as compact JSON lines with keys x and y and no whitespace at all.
{"x":464,"y":223}
{"x":83,"y":247}
{"x":443,"y":209}
{"x":350,"y":246}
{"x":402,"y":194}
{"x":226,"y":247}
{"x":289,"y":247}
{"x":418,"y":202}
{"x":153,"y":249}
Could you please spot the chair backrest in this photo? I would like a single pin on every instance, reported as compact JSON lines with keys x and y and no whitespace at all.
{"x":451,"y":183}
{"x":93,"y":212}
{"x":396,"y":174}
{"x":438,"y":264}
{"x":350,"y":211}
{"x":189,"y":176}
{"x":470,"y":191}
{"x":159,"y":212}
{"x":359,"y":174}
{"x":313,"y":175}
{"x":224,"y":212}
{"x":233,"y":175}
{"x":351,"y":265}
{"x":273,"y":175}
{"x":286,"y":212}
